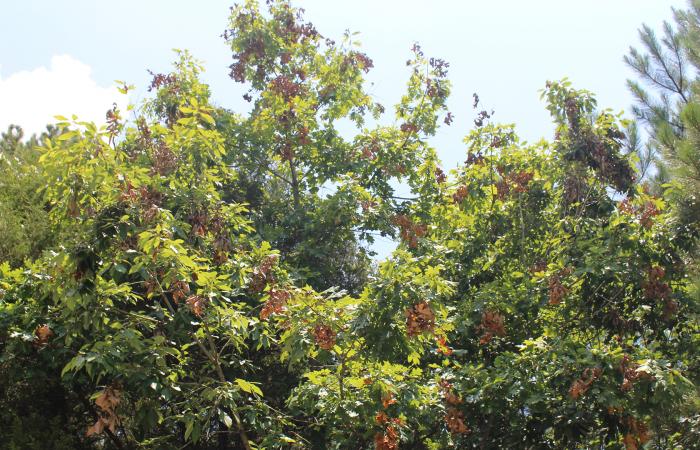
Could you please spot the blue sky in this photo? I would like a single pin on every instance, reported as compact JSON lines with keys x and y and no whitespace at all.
{"x":62,"y":57}
{"x":504,"y":50}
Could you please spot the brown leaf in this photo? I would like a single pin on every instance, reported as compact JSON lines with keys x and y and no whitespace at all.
{"x":96,"y":428}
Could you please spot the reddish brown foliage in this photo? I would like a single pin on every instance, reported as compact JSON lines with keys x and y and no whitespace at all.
{"x":196,"y":304}
{"x":275,"y":304}
{"x":159,"y":80}
{"x":653,"y":287}
{"x":42,"y":335}
{"x":285,"y":87}
{"x":389,"y":440}
{"x":475,"y":158}
{"x":440,"y":176}
{"x":448,"y":394}
{"x":409,"y":231}
{"x":645,"y":213}
{"x":381,"y":418}
{"x":367,"y":205}
{"x":164,"y":161}
{"x":419,"y":319}
{"x":449,"y":118}
{"x":512,"y":182}
{"x":199,"y":220}
{"x":324,"y":336}
{"x":107,"y":402}
{"x":539,"y":266}
{"x":388,"y":400}
{"x":460,"y":194}
{"x":630,"y":373}
{"x":442,"y":345}
{"x":262,"y":275}
{"x":580,"y":386}
{"x":179,"y":291}
{"x":637,"y":433}
{"x":454,"y":419}
{"x":492,"y":324}
{"x":112,"y":118}
{"x":408,"y":128}
{"x":557,"y":291}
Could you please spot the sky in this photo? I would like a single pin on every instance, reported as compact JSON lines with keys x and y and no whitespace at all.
{"x":63,"y":57}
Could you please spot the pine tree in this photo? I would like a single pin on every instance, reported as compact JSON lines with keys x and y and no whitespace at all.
{"x":669,"y":65}
{"x":23,"y":225}
{"x":662,"y":90}
{"x":682,"y":154}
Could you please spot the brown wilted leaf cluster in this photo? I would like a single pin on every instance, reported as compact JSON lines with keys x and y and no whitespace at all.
{"x":448,"y":393}
{"x":179,"y":291}
{"x":631,"y":373}
{"x":275,"y":304}
{"x":575,"y":188}
{"x":370,"y":150}
{"x":454,"y":418}
{"x":442,"y":345}
{"x":580,"y":386}
{"x":107,"y":402}
{"x":645,"y":213}
{"x":408,"y":127}
{"x":557,"y":291}
{"x":159,"y":80}
{"x":460,"y":194}
{"x":359,"y":60}
{"x":262,"y":275}
{"x":286,"y":87}
{"x":492,"y":324}
{"x":475,"y":158}
{"x":144,"y":198}
{"x":196,"y":303}
{"x":388,"y":400}
{"x":324,"y":336}
{"x":198,"y":220}
{"x":164,"y":161}
{"x":388,"y":439}
{"x":512,"y":182}
{"x":112,"y":118}
{"x":367,"y":205}
{"x":42,"y":335}
{"x":419,"y":319}
{"x":538,"y":266}
{"x":440,"y":176}
{"x":637,"y":434}
{"x":654,"y":287}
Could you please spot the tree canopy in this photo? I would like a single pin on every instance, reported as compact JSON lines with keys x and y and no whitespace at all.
{"x":199,"y":278}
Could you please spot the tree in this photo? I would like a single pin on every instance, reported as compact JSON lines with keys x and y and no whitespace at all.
{"x":664,"y":66}
{"x":301,"y":85}
{"x":531,"y":313}
{"x":24,"y":226}
{"x":192,"y":300}
{"x":671,"y":67}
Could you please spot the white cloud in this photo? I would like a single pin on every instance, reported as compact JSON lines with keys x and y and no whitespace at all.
{"x":31,"y":99}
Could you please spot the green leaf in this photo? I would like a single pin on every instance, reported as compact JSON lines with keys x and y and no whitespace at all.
{"x":248,"y":387}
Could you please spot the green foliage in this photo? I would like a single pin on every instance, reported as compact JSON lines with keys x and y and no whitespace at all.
{"x":670,"y":67}
{"x":304,"y":89}
{"x":24,"y":228}
{"x":210,"y":287}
